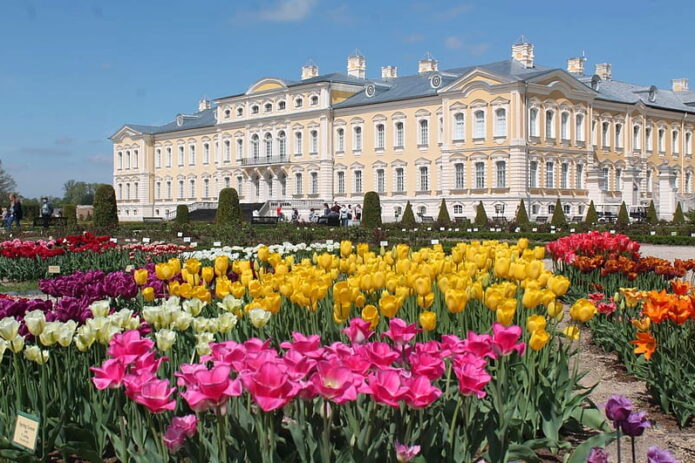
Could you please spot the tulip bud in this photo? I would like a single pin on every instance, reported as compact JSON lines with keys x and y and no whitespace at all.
{"x":165,"y":339}
{"x":140,"y":277}
{"x":428,"y":320}
{"x":148,"y":294}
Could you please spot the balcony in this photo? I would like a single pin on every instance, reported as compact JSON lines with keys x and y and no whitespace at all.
{"x":264,"y":160}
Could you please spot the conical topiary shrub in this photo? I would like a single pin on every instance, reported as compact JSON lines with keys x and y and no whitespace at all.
{"x":559,"y":219}
{"x":623,"y":216}
{"x":408,"y":219}
{"x":591,"y":215}
{"x":652,"y":218}
{"x":105,"y":210}
{"x":521,"y":215}
{"x":182,"y":216}
{"x":228,"y":209}
{"x":480,"y":215}
{"x":678,"y":218}
{"x":443,"y":218}
{"x":371,"y":210}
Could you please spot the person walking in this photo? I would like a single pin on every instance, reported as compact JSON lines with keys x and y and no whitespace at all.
{"x":343,"y":216}
{"x":358,"y":212}
{"x":17,"y":213}
{"x":295,"y":215}
{"x":46,"y":211}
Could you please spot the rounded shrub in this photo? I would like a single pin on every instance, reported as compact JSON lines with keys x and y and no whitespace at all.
{"x":105,"y":210}
{"x":443,"y":218}
{"x":228,"y":209}
{"x":408,"y":219}
{"x":371,"y":210}
{"x":182,"y":216}
{"x":559,"y":219}
{"x":480,"y":215}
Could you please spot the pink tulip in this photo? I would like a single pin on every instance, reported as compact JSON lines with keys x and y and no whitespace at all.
{"x":188,"y":424}
{"x":211,"y":388}
{"x":479,"y":344}
{"x":133,"y":383}
{"x":254,"y":360}
{"x":298,"y":365}
{"x":504,"y":340}
{"x":433,"y":348}
{"x":270,"y":386}
{"x":359,"y":331}
{"x":110,"y":375}
{"x":388,"y":387}
{"x":379,"y":354}
{"x":404,"y":453}
{"x":472,"y":379}
{"x":155,"y":395}
{"x":129,"y":346}
{"x":400,"y":332}
{"x":335,"y":382}
{"x":186,"y":373}
{"x":426,"y":364}
{"x":173,"y":439}
{"x":148,"y":363}
{"x":308,"y":345}
{"x":420,"y":392}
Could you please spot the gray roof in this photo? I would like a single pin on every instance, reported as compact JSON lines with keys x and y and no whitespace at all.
{"x":625,"y":92}
{"x":205,"y":118}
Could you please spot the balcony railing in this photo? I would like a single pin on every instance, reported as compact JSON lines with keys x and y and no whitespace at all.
{"x":261,"y":160}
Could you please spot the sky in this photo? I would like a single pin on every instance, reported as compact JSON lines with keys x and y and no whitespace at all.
{"x":72,"y":72}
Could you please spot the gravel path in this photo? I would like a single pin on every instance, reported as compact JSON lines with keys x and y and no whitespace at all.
{"x":668,"y":252}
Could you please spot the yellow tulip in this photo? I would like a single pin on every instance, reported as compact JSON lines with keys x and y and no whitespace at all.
{"x":221,"y":265}
{"x":501,"y":267}
{"x":164,"y":271}
{"x":193,"y":266}
{"x":493,"y":297}
{"x":558,"y":284}
{"x":535,"y":323}
{"x":422,"y":285}
{"x":371,"y":315}
{"x":140,"y":277}
{"x":538,"y":339}
{"x":208,"y":274}
{"x":341,"y":312}
{"x":539,"y":252}
{"x":639,"y":324}
{"x":571,"y":332}
{"x":522,"y":243}
{"x":517,"y":270}
{"x":555,"y":309}
{"x":325,"y":261}
{"x":505,"y":315}
{"x":582,"y":310}
{"x":428,"y":320}
{"x":263,"y":253}
{"x":237,"y":290}
{"x":632,"y":296}
{"x":425,"y":301}
{"x":531,"y":298}
{"x":362,"y":249}
{"x":534,"y":269}
{"x":456,"y":300}
{"x":345,"y":248}
{"x":175,"y":264}
{"x":389,"y":305}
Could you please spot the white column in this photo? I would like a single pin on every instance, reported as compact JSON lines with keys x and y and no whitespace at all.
{"x":667,"y":192}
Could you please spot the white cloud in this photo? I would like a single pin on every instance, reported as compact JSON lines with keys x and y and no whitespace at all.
{"x":455,"y":11}
{"x":453,"y":42}
{"x":100,"y":159}
{"x":287,"y":10}
{"x":478,"y":49}
{"x":413,"y":38}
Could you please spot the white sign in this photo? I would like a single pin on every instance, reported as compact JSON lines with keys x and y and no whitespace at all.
{"x":456,"y":229}
{"x":217,"y":244}
{"x":187,"y":239}
{"x":442,"y":228}
{"x":652,"y":233}
{"x":403,"y":229}
{"x":146,"y":240}
{"x":384,"y":243}
{"x":114,"y":240}
{"x":552,"y":232}
{"x":129,"y":268}
{"x":429,"y":228}
{"x":612,"y":232}
{"x":571,"y":230}
{"x":194,"y":245}
{"x":517,"y":230}
{"x":435,"y":241}
{"x":329,"y":241}
{"x":179,"y":234}
{"x":674,"y":233}
{"x":534,"y":229}
{"x":468,"y":230}
{"x":475,"y":229}
{"x":54,"y":269}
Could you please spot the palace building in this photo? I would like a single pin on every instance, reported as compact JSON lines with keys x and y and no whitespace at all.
{"x":496,"y":133}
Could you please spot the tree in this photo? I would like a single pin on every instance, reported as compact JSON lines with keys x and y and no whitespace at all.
{"x":652,"y":218}
{"x":228,"y":209}
{"x":678,"y":218}
{"x":182,"y":214}
{"x":105,"y":211}
{"x":70,"y":213}
{"x":591,"y":215}
{"x":79,"y":192}
{"x":480,"y":215}
{"x":371,"y":210}
{"x":443,"y":218}
{"x":623,"y":216}
{"x":558,"y":219}
{"x":521,"y":214}
{"x":408,"y":219}
{"x":7,"y":183}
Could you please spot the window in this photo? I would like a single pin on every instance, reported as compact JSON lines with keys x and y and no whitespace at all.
{"x":239,"y":148}
{"x":650,"y":183}
{"x":398,"y":139}
{"x":564,"y":175}
{"x":341,"y":182}
{"x":688,"y":182}
{"x":380,"y":136}
{"x":340,"y":140}
{"x":533,"y":122}
{"x":158,"y":158}
{"x":239,"y":111}
{"x":501,"y":122}
{"x":480,"y":175}
{"x":255,"y":147}
{"x":618,"y":180}
{"x":357,"y":141}
{"x":206,"y":188}
{"x":380,"y":181}
{"x":551,"y":209}
{"x":579,"y":181}
{"x":298,"y":183}
{"x":283,"y":184}
{"x":422,"y":210}
{"x":206,"y":153}
{"x":268,"y":142}
{"x":268,"y":107}
{"x":239,"y":184}
{"x":227,"y":113}
{"x":533,"y":174}
{"x":688,"y":143}
{"x":636,"y":138}
{"x":254,"y":109}
{"x":191,"y":155}
{"x":298,"y":143}
{"x":424,"y":178}
{"x":314,"y":142}
{"x":594,"y":137}
{"x":181,"y":154}
{"x":458,"y":209}
{"x":674,"y":143}
{"x":158,"y":190}
{"x":169,"y":157}
{"x":314,"y":100}
{"x":228,"y":151}
{"x":648,"y":138}
{"x":400,"y":180}
{"x":440,"y":132}
{"x":567,"y":209}
{"x":459,"y":179}
{"x":662,"y":141}
{"x":549,"y":177}
{"x":424,"y":132}
{"x":192,"y":192}
{"x":605,"y":127}
{"x":603,"y":184}
{"x":535,"y":209}
{"x":298,"y":103}
{"x":281,"y":106}
{"x":314,"y":183}
{"x":358,"y":181}
{"x":180,"y":189}
{"x":282,"y":144}
{"x":619,"y":136}
{"x":479,"y":124}
{"x":120,"y":160}
{"x":501,"y":174}
{"x":169,"y":190}
{"x":135,"y":159}
{"x":564,"y":126}
{"x":127,"y":159}
{"x":120,"y":191}
{"x":459,"y":127}
{"x":257,"y":186}
{"x":579,"y":123}
{"x":549,"y":124}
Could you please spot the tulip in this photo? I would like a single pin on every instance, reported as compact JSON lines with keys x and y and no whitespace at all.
{"x":221,"y":265}
{"x":597,"y":455}
{"x":531,"y":298}
{"x":428,"y":320}
{"x":656,"y":455}
{"x":165,"y":339}
{"x":558,"y":284}
{"x":100,"y":308}
{"x":555,"y":309}
{"x":539,"y":339}
{"x":504,"y":340}
{"x":335,"y":383}
{"x":4,"y":345}
{"x":400,"y":332}
{"x":17,"y":344}
{"x":421,"y":393}
{"x":370,"y":314}
{"x":35,"y":322}
{"x":388,"y":387}
{"x":259,"y":317}
{"x":140,"y":276}
{"x":535,"y":323}
{"x":455,"y":300}
{"x":270,"y":388}
{"x":522,"y":243}
{"x":9,"y":327}
{"x":571,"y":332}
{"x":345,"y":248}
{"x":635,"y":424}
{"x":110,"y":375}
{"x":505,"y":315}
{"x":35,"y":354}
{"x":155,"y":395}
{"x":472,"y":377}
{"x":193,"y":306}
{"x":358,"y":331}
{"x":164,"y":271}
{"x":582,"y":310}
{"x":404,"y":453}
{"x":208,"y":273}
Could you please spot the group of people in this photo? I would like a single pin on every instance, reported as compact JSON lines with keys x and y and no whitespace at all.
{"x":341,"y":214}
{"x":13,"y":213}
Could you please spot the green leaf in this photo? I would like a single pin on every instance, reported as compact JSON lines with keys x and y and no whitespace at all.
{"x":591,"y":418}
{"x":581,"y":453}
{"x":522,"y":453}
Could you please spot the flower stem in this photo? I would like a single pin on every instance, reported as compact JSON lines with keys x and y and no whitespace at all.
{"x":326,"y":454}
{"x":221,"y":438}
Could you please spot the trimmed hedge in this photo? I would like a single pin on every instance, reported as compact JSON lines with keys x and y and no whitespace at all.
{"x":228,"y":209}
{"x":591,"y":215}
{"x":408,"y":219}
{"x":371,"y":210}
{"x":443,"y":218}
{"x":559,"y":219}
{"x":522,"y":215}
{"x":182,"y":216}
{"x":480,"y":215}
{"x":105,"y":210}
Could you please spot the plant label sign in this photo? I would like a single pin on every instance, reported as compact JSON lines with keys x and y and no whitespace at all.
{"x":441,"y":229}
{"x":534,"y":229}
{"x":475,"y":229}
{"x":26,"y":431}
{"x":129,"y":268}
{"x":146,"y":240}
{"x":217,"y":244}
{"x":179,"y":234}
{"x":194,"y":244}
{"x":456,"y":229}
{"x":612,"y":232}
{"x":187,"y":239}
{"x":674,"y":233}
{"x":114,"y":240}
{"x":54,"y":269}
{"x":429,"y":228}
{"x":384,"y":243}
{"x":652,"y":233}
{"x":571,"y":230}
{"x":435,"y":241}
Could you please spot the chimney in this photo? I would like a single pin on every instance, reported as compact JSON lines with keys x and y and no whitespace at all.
{"x":603,"y":70}
{"x":679,"y":85}
{"x":428,"y":64}
{"x":522,"y":52}
{"x":357,"y":65}
{"x":203,"y":104}
{"x":310,"y":70}
{"x":389,"y":72}
{"x":576,"y":66}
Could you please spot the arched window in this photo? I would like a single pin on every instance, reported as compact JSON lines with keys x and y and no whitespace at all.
{"x":648,"y":139}
{"x":239,"y":148}
{"x":192,"y":192}
{"x":564,"y":126}
{"x":501,"y":174}
{"x":282,"y":144}
{"x":341,"y":182}
{"x":618,"y":179}
{"x":180,"y":189}
{"x":314,"y":183}
{"x":191,"y":155}
{"x":314,"y":100}
{"x":579,"y":174}
{"x":206,"y":188}
{"x":380,"y":136}
{"x":564,"y":175}
{"x":169,"y":157}
{"x":424,"y":132}
{"x":298,"y":143}
{"x":120,"y":160}
{"x":675,"y":148}
{"x":579,"y":127}
{"x":135,"y":159}
{"x":636,"y":138}
{"x":479,"y":124}
{"x":239,"y":111}
{"x":340,"y":140}
{"x":605,"y":133}
{"x":662,"y":141}
{"x":533,"y":122}
{"x":314,"y":142}
{"x":533,"y":174}
{"x":424,"y":178}
{"x":549,"y":124}
{"x":227,"y":113}
{"x":380,"y":181}
{"x":480,"y":175}
{"x":254,"y":109}
{"x":358,"y":181}
{"x":127,"y":159}
{"x":550,"y":174}
{"x":206,"y":153}
{"x":500,"y":122}
{"x":688,"y":143}
{"x":255,"y":147}
{"x":268,"y":107}
{"x":618,"y":135}
{"x":268,"y":145}
{"x":181,"y":154}
{"x":281,"y":106}
{"x":400,"y":180}
{"x":459,"y":127}
{"x":399,"y":138}
{"x":298,"y":103}
{"x":650,"y":182}
{"x":458,"y":209}
{"x":357,"y":139}
{"x":158,"y":158}
{"x":459,"y":176}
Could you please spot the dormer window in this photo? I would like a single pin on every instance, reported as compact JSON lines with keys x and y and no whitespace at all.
{"x":239,"y":111}
{"x":298,"y":103}
{"x":281,"y":106}
{"x":227,"y":113}
{"x":314,"y":100}
{"x":268,"y":107}
{"x":254,"y":109}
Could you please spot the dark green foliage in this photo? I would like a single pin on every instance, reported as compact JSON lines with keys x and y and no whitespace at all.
{"x":678,"y":218}
{"x":521,"y":214}
{"x":591,"y":215}
{"x":105,"y":211}
{"x":652,"y":218}
{"x":559,"y":219}
{"x":371,"y":210}
{"x":443,"y":218}
{"x":228,"y":209}
{"x":182,"y":214}
{"x":408,"y":219}
{"x":623,"y":217}
{"x":480,"y":215}
{"x":70,"y":212}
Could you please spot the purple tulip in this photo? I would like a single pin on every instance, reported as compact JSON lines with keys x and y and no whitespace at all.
{"x":597,"y":455}
{"x":618,"y":408}
{"x":656,"y":455}
{"x":635,"y":424}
